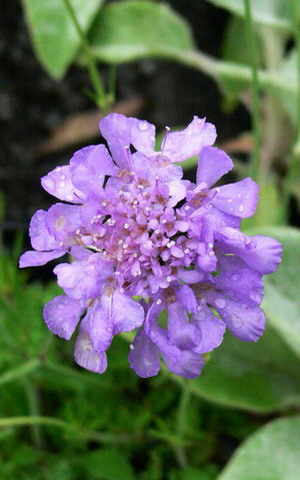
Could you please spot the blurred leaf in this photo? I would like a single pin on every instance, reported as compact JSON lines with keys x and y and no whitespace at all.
{"x":261,"y":377}
{"x":108,"y":465}
{"x":288,"y":74}
{"x":272,"y":453}
{"x":53,"y":34}
{"x":270,"y":209}
{"x":273,"y":13}
{"x":134,"y":29}
{"x":235,"y":48}
{"x":282,"y":299}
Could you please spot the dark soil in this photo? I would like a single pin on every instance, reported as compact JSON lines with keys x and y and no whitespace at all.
{"x":32,"y":104}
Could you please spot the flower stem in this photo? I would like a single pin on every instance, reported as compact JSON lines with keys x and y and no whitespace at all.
{"x":295,"y":155}
{"x":100,"y":96}
{"x":255,"y":93}
{"x":55,"y":422}
{"x":182,"y":414}
{"x":19,"y":372}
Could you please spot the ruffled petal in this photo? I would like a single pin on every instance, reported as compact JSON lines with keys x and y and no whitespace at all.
{"x":238,"y":281}
{"x":261,"y":253}
{"x":127,"y":314}
{"x":40,"y":237}
{"x":58,"y":183}
{"x":62,"y":221}
{"x":144,"y":356}
{"x":99,"y":323}
{"x":120,"y":131}
{"x":238,"y":199}
{"x":184,"y":363}
{"x":86,"y":356}
{"x":89,"y":167}
{"x":212,"y":165}
{"x":186,"y":297}
{"x":62,"y":314}
{"x":211,"y":328}
{"x":179,"y":146}
{"x":83,"y":279}
{"x":37,"y":259}
{"x":245,"y":320}
{"x":180,"y":332}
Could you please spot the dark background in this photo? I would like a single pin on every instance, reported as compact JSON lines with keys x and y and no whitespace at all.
{"x":32,"y":105}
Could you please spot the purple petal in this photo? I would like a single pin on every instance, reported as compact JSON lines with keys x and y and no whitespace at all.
{"x":179,"y":146}
{"x":211,"y":328}
{"x":261,"y":253}
{"x":58,"y":183}
{"x":40,"y":237}
{"x":37,"y":259}
{"x":189,"y":276}
{"x":62,"y":314}
{"x":99,"y":323}
{"x":245,"y":320}
{"x":144,"y":356}
{"x":127,"y":313}
{"x":182,"y":362}
{"x":212,"y":165}
{"x":89,"y":167}
{"x":85,"y":355}
{"x":238,"y":281}
{"x":180,"y":332}
{"x":238,"y":199}
{"x":83,"y":279}
{"x":120,"y":131}
{"x":186,"y":297}
{"x":63,"y":220}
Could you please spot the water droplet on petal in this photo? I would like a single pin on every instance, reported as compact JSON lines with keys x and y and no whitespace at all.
{"x":241,"y":208}
{"x":143,"y":126}
{"x":236,"y":321}
{"x":220,"y":302}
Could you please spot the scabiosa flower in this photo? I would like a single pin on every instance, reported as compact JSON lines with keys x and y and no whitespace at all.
{"x":143,"y":240}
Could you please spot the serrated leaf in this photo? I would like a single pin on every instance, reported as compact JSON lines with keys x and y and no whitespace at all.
{"x":271,"y":453}
{"x":273,"y":13}
{"x":54,"y":36}
{"x":131,"y":30}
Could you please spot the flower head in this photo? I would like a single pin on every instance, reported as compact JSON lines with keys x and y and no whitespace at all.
{"x":135,"y":228}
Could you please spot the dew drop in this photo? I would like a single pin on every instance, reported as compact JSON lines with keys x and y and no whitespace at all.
{"x":236,"y":321}
{"x":143,"y":126}
{"x":235,"y":277}
{"x":220,"y":303}
{"x":241,"y":208}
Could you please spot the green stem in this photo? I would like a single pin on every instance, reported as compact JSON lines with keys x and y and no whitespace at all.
{"x":295,"y":155}
{"x":89,"y":435}
{"x":255,"y":92}
{"x":19,"y":372}
{"x":182,"y":415}
{"x":34,"y":410}
{"x":92,"y":66}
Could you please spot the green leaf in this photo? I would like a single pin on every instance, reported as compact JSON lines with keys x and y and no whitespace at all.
{"x":54,"y":36}
{"x":273,"y":13}
{"x":282,"y":299}
{"x":287,"y":74}
{"x":261,"y":377}
{"x":108,"y":465}
{"x":270,"y":209}
{"x":130,"y":30}
{"x":272,"y":453}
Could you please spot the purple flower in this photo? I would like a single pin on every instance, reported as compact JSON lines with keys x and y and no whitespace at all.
{"x":135,"y":228}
